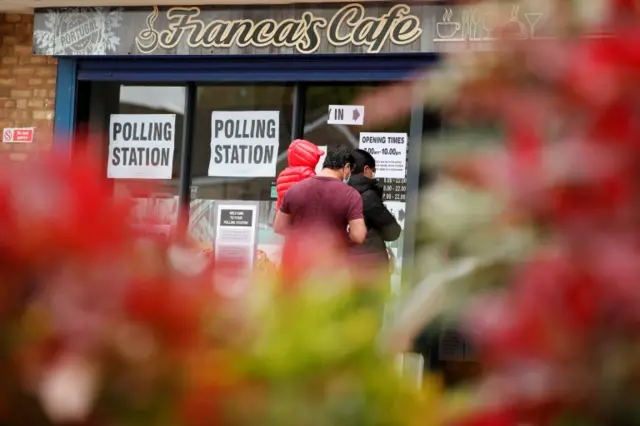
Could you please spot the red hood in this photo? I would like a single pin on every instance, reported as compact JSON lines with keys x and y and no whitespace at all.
{"x":303,"y":153}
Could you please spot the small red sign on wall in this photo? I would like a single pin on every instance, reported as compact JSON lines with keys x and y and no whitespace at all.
{"x":18,"y":135}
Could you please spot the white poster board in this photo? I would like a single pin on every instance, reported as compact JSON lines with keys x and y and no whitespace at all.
{"x":390,"y":152}
{"x":141,"y":146}
{"x":236,"y":233}
{"x":244,"y":143}
{"x":398,"y":209}
{"x":320,"y":164}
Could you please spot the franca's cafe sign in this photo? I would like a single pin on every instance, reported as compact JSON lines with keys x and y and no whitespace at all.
{"x":350,"y":25}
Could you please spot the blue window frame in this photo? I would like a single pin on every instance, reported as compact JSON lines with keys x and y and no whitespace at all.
{"x":245,"y":69}
{"x":262,"y":68}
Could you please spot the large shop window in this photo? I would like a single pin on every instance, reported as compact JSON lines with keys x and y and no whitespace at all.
{"x":317,"y":130}
{"x":238,"y":137}
{"x":234,"y":112}
{"x":120,"y":118}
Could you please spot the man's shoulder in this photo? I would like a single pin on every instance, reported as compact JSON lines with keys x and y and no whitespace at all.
{"x":333,"y":186}
{"x":337,"y":186}
{"x":300,"y":184}
{"x":299,"y":187}
{"x":351,"y":190}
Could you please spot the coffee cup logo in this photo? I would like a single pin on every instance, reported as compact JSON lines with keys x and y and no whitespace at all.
{"x":447,"y":29}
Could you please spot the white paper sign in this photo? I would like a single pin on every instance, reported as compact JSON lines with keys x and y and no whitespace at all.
{"x":348,"y":115}
{"x":235,"y":236}
{"x":390,"y":152}
{"x":411,"y":366}
{"x":320,"y":164}
{"x":244,"y":143}
{"x":141,"y":146}
{"x":398,"y":209}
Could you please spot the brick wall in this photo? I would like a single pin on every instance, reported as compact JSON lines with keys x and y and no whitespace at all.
{"x":27,"y":85}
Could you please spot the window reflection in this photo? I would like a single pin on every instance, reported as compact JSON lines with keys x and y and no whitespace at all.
{"x":317,"y":104}
{"x":237,"y":98}
{"x":107,"y":99}
{"x":206,"y":190}
{"x":155,"y":99}
{"x":162,"y":205}
{"x":316,"y":130}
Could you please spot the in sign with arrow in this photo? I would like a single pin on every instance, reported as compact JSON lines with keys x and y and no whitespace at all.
{"x":349,"y":115}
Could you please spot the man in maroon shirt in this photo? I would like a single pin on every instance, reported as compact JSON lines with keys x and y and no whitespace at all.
{"x":322,"y":206}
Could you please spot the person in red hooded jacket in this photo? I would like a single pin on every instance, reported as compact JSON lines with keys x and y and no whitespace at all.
{"x":303,"y":157}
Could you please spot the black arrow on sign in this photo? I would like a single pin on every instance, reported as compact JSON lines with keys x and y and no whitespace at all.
{"x":356,"y":114}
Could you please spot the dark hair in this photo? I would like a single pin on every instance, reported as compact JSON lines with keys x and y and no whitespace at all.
{"x":338,"y":157}
{"x":363,"y":159}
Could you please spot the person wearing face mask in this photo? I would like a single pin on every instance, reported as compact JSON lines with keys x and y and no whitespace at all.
{"x":381,"y":225}
{"x":323,"y":206}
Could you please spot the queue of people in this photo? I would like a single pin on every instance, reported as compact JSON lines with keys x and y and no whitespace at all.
{"x":342,"y":205}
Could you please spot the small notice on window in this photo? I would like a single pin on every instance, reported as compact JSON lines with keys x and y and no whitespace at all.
{"x":235,"y":236}
{"x":320,"y":164}
{"x":141,"y":146}
{"x":390,"y":152}
{"x":244,"y":143}
{"x":398,"y":210}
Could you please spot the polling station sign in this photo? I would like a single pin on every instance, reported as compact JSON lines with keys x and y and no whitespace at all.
{"x":244,"y":143}
{"x":141,"y":146}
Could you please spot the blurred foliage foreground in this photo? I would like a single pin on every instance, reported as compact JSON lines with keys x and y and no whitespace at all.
{"x":102,"y":326}
{"x":541,"y":232}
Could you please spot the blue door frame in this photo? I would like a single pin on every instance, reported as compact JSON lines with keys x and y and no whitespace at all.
{"x":247,"y":69}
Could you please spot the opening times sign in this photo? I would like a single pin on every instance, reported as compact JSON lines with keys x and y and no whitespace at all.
{"x":244,"y":143}
{"x":394,"y":189}
{"x":390,"y":152}
{"x":141,"y":146}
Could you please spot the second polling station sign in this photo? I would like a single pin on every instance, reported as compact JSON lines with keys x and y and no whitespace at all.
{"x":244,"y":143}
{"x":141,"y":146}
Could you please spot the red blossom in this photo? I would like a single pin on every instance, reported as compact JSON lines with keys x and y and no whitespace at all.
{"x":201,"y":407}
{"x":55,"y":205}
{"x":500,"y":417}
{"x":308,"y":255}
{"x":174,"y":313}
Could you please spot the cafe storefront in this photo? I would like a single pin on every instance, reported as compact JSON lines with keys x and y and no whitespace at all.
{"x":206,"y":100}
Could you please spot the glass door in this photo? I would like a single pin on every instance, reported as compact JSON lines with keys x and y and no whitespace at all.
{"x":318,"y":130}
{"x":225,"y":172}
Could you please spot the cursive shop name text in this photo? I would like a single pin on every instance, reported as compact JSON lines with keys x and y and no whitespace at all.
{"x":348,"y":26}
